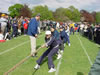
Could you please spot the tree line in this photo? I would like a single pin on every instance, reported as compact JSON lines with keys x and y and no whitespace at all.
{"x":60,"y":14}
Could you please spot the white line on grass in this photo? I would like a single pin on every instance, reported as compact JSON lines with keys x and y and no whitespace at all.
{"x":13,"y":48}
{"x":85,"y":50}
{"x":97,"y":45}
{"x":16,"y":46}
{"x":58,"y":67}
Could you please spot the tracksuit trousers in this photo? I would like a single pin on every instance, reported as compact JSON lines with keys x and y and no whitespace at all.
{"x":50,"y":53}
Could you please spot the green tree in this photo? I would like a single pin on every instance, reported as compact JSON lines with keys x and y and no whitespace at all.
{"x":15,"y":10}
{"x":60,"y":15}
{"x":65,"y":14}
{"x":98,"y":17}
{"x":73,"y":14}
{"x":44,"y":11}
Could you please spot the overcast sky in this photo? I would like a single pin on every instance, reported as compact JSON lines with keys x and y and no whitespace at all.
{"x":89,"y":5}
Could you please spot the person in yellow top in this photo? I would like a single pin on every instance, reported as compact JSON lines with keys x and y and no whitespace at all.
{"x":72,"y":28}
{"x":72,"y":25}
{"x":3,"y":21}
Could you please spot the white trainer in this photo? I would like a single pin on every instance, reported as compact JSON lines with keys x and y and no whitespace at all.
{"x":59,"y":56}
{"x":62,"y":51}
{"x":69,"y":44}
{"x":37,"y":66}
{"x":51,"y":70}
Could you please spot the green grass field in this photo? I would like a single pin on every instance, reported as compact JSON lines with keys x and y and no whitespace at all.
{"x":74,"y":60}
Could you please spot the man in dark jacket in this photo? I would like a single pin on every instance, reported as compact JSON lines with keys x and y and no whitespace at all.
{"x":63,"y":36}
{"x":53,"y":45}
{"x":32,"y":32}
{"x":56,"y":34}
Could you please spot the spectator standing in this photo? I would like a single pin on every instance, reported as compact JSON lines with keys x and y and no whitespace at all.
{"x":3,"y":22}
{"x":32,"y":32}
{"x":15,"y":27}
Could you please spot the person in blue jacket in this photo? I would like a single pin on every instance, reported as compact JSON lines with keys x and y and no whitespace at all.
{"x":53,"y":46}
{"x":55,"y":33}
{"x":32,"y":32}
{"x":63,"y":37}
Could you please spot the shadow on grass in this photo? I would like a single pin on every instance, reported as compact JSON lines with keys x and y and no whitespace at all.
{"x":80,"y":73}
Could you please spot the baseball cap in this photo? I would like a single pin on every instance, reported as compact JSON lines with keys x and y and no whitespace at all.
{"x":48,"y":32}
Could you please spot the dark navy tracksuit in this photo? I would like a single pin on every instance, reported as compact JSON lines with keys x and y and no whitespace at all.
{"x":63,"y":37}
{"x":15,"y":28}
{"x":53,"y":45}
{"x":57,"y":36}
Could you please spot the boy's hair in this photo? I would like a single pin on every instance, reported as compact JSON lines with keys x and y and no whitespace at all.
{"x":53,"y":27}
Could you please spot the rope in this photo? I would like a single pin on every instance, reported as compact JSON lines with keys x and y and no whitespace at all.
{"x":21,"y":62}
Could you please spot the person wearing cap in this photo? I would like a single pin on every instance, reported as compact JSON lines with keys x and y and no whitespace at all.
{"x":32,"y":32}
{"x":53,"y":47}
{"x":3,"y":22}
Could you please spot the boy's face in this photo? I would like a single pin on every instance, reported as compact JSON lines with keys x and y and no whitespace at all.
{"x":48,"y":36}
{"x":61,"y":29}
{"x":38,"y":18}
{"x":52,"y":29}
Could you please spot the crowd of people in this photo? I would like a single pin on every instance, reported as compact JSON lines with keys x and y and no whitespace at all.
{"x":12,"y":27}
{"x":91,"y":31}
{"x":16,"y":26}
{"x":56,"y":37}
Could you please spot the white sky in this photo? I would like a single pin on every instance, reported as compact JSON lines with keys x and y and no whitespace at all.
{"x":89,"y":5}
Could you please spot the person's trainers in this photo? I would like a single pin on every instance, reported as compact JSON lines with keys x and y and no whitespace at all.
{"x":69,"y":44}
{"x":62,"y":51}
{"x":51,"y":70}
{"x":59,"y":56}
{"x":37,"y":66}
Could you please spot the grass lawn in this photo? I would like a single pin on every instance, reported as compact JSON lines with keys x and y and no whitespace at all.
{"x":73,"y":62}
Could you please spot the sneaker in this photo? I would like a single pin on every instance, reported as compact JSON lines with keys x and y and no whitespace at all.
{"x":69,"y":44}
{"x":59,"y":56}
{"x":37,"y":66}
{"x":62,"y":51}
{"x":51,"y":70}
